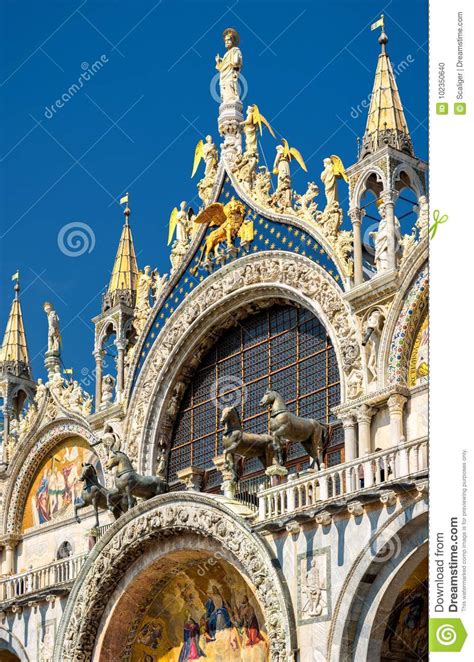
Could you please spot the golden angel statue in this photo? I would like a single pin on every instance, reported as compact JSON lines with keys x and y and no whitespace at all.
{"x":230,"y":219}
{"x":253,"y":120}
{"x":229,"y":66}
{"x":281,"y":166}
{"x":208,"y":152}
{"x":333,"y":170}
{"x":180,"y":224}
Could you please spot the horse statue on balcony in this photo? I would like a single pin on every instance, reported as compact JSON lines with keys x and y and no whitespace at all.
{"x":128,"y":482}
{"x":309,"y":432}
{"x":246,"y":444}
{"x":96,"y":495}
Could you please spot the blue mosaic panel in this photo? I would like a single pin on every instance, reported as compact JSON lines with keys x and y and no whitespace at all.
{"x":269,"y":235}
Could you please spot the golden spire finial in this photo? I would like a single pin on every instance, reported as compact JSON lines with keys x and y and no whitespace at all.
{"x":386,"y":123}
{"x":14,"y":350}
{"x":123,"y":281}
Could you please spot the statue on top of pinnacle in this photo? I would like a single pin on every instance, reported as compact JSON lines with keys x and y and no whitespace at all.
{"x":229,"y":66}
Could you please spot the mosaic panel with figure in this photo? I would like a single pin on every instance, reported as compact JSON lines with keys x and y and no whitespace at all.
{"x":419,"y":366}
{"x":203,"y":612}
{"x":56,"y":485}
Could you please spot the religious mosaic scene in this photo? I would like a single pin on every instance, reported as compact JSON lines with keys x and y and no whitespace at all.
{"x":247,"y":478}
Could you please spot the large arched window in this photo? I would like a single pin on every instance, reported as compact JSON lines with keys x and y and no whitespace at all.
{"x":285,"y":348}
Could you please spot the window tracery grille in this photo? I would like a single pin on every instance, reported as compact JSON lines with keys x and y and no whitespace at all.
{"x":284,"y":348}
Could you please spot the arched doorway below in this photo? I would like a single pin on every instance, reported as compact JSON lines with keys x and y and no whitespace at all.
{"x":198,"y":606}
{"x":406,"y":629}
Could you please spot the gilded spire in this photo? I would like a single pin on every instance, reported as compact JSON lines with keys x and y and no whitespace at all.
{"x":123,"y":281}
{"x":386,"y":123}
{"x":14,"y":352}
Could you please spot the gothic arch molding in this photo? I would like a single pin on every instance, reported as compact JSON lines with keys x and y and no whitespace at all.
{"x":402,"y":539}
{"x":14,"y":645}
{"x":27,"y":462}
{"x":414,"y":178}
{"x":361,"y":184}
{"x":406,"y":314}
{"x":217,"y":302}
{"x":159,"y":521}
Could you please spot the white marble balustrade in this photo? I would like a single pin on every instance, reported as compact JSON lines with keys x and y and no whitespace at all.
{"x":32,"y":581}
{"x":314,"y":487}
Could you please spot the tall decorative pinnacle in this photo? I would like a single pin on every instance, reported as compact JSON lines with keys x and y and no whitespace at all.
{"x":386,"y":123}
{"x":123,"y":281}
{"x":230,"y":109}
{"x":14,"y":351}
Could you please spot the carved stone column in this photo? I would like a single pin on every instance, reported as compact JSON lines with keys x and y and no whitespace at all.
{"x":229,"y":486}
{"x":356,"y":215}
{"x":389,"y":198}
{"x":364,"y":418}
{"x":99,"y":358}
{"x":10,"y":542}
{"x":192,"y":477}
{"x":396,"y":403}
{"x":350,"y":436}
{"x":120,"y":344}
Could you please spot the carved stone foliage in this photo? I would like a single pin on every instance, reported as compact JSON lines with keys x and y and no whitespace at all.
{"x":407,"y":326}
{"x":294,"y":274}
{"x":25,"y":467}
{"x":160,"y":520}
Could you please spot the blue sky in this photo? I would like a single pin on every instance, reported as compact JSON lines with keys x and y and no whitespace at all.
{"x":134,"y":125}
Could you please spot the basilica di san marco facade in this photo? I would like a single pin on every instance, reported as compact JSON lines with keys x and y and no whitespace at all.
{"x":249,"y":479}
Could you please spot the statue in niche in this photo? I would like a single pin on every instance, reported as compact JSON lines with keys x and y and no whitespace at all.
{"x":54,"y":333}
{"x":108,"y":385}
{"x":380,"y":239}
{"x":371,"y":341}
{"x":313,"y":589}
{"x":229,"y":66}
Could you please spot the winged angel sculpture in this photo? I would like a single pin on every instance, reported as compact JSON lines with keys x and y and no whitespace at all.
{"x":231,"y":221}
{"x":333,"y":170}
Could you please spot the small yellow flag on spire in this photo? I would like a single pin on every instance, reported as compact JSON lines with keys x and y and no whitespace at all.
{"x":378,"y":24}
{"x":68,"y":371}
{"x":124,"y":200}
{"x":16,"y":275}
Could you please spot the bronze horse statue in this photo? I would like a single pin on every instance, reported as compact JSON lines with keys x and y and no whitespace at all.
{"x":309,"y":432}
{"x":128,"y":482}
{"x":95,"y":494}
{"x":246,"y":444}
